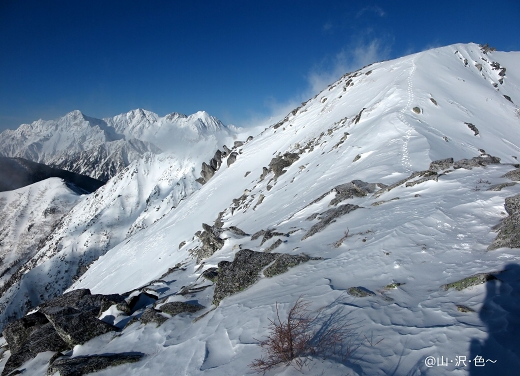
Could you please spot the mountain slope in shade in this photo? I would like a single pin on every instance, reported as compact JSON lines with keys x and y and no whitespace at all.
{"x":18,"y":172}
{"x":100,"y":148}
{"x":28,"y":215}
{"x":348,"y":178}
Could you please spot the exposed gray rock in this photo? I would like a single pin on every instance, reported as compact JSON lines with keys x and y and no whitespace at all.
{"x":356,"y":158}
{"x":473,"y":128}
{"x":513,"y":175}
{"x":82,"y":365}
{"x":356,"y":188}
{"x":509,"y":230}
{"x":480,"y":161}
{"x":17,"y":332}
{"x":360,"y":292}
{"x":211,"y":242}
{"x":476,"y":279}
{"x":441,"y":164}
{"x":275,"y":245}
{"x":235,"y":230}
{"x":268,"y":234}
{"x":265,"y":171}
{"x":241,"y":273}
{"x":174,"y":308}
{"x":278,"y":164}
{"x":207,"y":171}
{"x":498,"y":187}
{"x":237,"y":144}
{"x":428,"y":175}
{"x":250,"y":138}
{"x":464,"y":309}
{"x":245,"y":270}
{"x":76,"y":327}
{"x":257,"y":234}
{"x":232,"y":158}
{"x":43,"y":338}
{"x":284,"y":262}
{"x":226,"y":149}
{"x":329,"y":216}
{"x":210,"y":274}
{"x":84,"y":301}
{"x":141,"y":300}
{"x":357,"y":118}
{"x":417,"y":110}
{"x":150,"y":315}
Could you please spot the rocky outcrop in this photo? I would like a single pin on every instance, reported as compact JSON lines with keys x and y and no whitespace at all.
{"x":328,"y":217}
{"x":59,"y":324}
{"x":513,"y":175}
{"x":42,"y":338}
{"x":245,"y":269}
{"x":356,"y":188}
{"x":441,"y":164}
{"x":278,"y":164}
{"x":509,"y":230}
{"x":476,"y":279}
{"x":232,"y":158}
{"x":82,"y":365}
{"x":175,"y":308}
{"x":211,"y":242}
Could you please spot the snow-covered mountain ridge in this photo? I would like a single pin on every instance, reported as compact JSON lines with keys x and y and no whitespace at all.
{"x":100,"y":148}
{"x":348,"y":178}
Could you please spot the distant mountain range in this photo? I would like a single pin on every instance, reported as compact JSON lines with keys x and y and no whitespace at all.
{"x":100,"y":148}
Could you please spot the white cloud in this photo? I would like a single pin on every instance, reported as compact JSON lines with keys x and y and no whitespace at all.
{"x":374,"y":8}
{"x":347,"y":60}
{"x":350,"y":58}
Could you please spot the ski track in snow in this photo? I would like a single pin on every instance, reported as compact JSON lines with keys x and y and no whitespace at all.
{"x":405,"y":159}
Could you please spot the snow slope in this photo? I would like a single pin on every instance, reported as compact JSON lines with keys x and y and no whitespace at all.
{"x":378,"y":125}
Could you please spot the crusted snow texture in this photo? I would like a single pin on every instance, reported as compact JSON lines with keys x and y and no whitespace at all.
{"x":82,"y":365}
{"x":174,"y":308}
{"x":327,"y":217}
{"x":509,"y":230}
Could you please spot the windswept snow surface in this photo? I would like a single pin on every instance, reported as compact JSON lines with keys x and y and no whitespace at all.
{"x":364,"y":126}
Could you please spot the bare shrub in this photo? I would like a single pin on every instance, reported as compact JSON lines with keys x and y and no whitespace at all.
{"x":305,"y":334}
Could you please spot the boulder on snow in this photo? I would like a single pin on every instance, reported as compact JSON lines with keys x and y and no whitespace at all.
{"x":43,"y":338}
{"x":356,"y":188}
{"x":211,"y":274}
{"x":509,"y":230}
{"x":150,"y":315}
{"x":441,"y":164}
{"x":174,"y":308}
{"x":76,"y":327}
{"x":513,"y":175}
{"x":360,"y":292}
{"x":479,"y":161}
{"x":237,"y":144}
{"x":232,"y":158}
{"x":473,"y":280}
{"x":211,"y":242}
{"x":17,"y":332}
{"x":328,"y":217}
{"x":278,"y":164}
{"x":244,"y":270}
{"x":82,"y":365}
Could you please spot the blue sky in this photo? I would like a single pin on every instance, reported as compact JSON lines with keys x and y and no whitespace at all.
{"x":242,"y":61}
